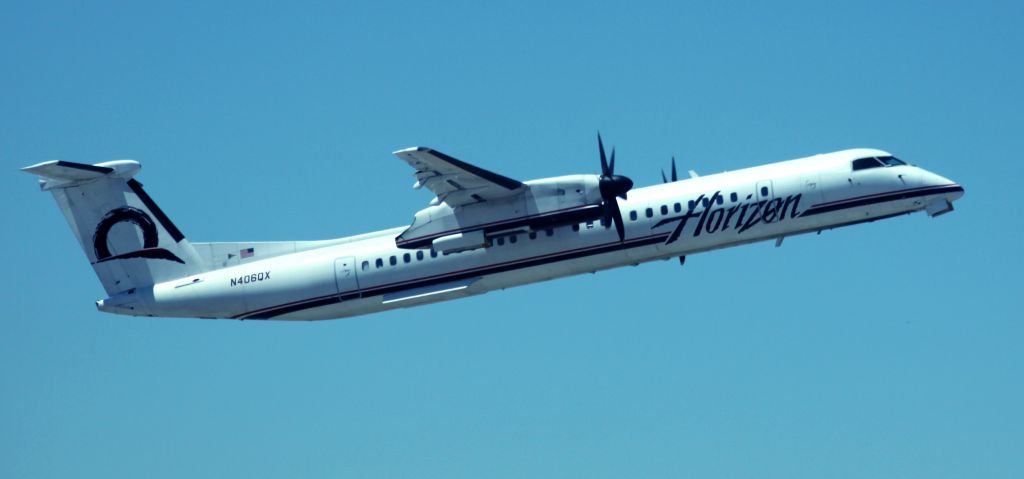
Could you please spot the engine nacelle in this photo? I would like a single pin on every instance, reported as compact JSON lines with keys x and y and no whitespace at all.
{"x":544,"y":203}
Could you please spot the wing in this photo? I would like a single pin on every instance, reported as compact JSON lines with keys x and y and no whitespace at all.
{"x":455,"y":182}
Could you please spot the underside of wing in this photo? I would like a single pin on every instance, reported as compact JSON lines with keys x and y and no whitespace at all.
{"x":455,"y":182}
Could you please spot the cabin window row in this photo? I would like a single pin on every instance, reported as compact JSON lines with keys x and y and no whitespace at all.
{"x":513,"y":239}
{"x":678,"y":207}
{"x":420,"y":255}
{"x":392,"y":260}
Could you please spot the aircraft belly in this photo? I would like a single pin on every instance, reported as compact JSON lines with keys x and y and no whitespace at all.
{"x":588,"y":264}
{"x":335,"y":310}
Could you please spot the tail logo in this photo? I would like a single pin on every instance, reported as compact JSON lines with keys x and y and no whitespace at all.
{"x":150,"y":236}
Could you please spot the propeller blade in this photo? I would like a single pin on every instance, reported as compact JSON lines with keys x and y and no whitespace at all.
{"x":604,"y":162}
{"x":612,"y":210}
{"x":619,"y":226}
{"x":612,"y":185}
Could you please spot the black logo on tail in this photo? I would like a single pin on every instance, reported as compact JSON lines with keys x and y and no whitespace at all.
{"x":150,"y":236}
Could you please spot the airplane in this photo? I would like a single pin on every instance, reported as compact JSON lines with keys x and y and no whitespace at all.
{"x":483,"y":231}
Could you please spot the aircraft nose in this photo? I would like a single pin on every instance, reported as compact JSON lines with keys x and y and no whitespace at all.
{"x":957,"y":193}
{"x":953,"y":190}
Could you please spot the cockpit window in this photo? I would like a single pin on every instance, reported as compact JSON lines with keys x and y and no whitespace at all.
{"x":891,"y":161}
{"x":872,"y":162}
{"x":865,"y":163}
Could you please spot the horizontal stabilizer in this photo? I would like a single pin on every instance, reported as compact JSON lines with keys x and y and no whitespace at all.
{"x":62,"y":174}
{"x":66,"y":170}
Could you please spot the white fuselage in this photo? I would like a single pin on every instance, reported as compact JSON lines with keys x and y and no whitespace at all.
{"x":370,"y":273}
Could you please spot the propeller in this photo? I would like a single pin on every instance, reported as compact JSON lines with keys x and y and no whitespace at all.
{"x":674,"y":177}
{"x":612,"y":186}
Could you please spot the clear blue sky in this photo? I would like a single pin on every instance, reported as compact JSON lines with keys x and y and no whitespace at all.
{"x":885,"y":350}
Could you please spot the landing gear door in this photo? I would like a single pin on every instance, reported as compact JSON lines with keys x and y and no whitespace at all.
{"x":345,"y":274}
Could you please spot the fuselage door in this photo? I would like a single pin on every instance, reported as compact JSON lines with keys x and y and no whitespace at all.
{"x":812,"y":189}
{"x":345,"y":274}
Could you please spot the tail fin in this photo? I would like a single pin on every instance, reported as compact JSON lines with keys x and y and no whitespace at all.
{"x":129,"y":241}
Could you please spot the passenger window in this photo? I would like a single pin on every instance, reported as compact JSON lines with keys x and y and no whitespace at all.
{"x":419,"y":255}
{"x":533,"y":235}
{"x":691,"y":204}
{"x":865,"y":163}
{"x":720,"y":199}
{"x":366,"y":265}
{"x":380,"y":263}
{"x":677,"y":207}
{"x":704,"y":202}
{"x":632,"y":215}
{"x":512,"y":239}
{"x":649,"y":213}
{"x":393,"y":260}
{"x":764,"y":191}
{"x":575,"y":226}
{"x":406,"y":257}
{"x":550,"y":231}
{"x":433,"y":254}
{"x":664,"y":210}
{"x":501,"y":241}
{"x":733,"y":197}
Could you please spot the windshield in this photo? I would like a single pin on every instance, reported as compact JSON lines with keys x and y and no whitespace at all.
{"x":873,"y":162}
{"x":865,"y":163}
{"x":891,"y":161}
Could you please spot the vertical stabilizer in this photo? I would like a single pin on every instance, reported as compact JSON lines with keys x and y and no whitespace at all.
{"x":128,"y":239}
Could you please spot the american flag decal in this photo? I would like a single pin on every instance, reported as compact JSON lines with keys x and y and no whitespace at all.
{"x":247,"y":253}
